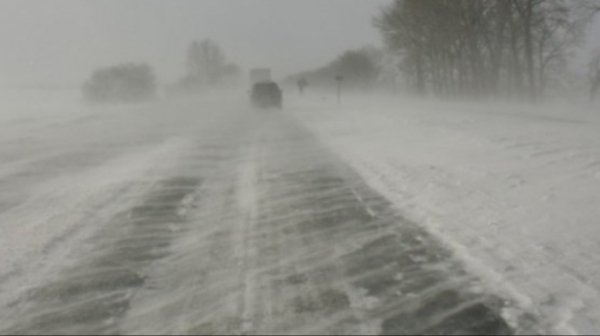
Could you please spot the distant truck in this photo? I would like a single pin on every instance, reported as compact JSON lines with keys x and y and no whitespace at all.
{"x":264,"y":92}
{"x":266,"y":95}
{"x":260,"y":75}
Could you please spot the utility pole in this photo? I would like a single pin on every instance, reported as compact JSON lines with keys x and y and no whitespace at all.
{"x":339,"y":80}
{"x":302,"y":83}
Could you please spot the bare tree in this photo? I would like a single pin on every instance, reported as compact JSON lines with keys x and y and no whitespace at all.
{"x":360,"y":69}
{"x":480,"y":47}
{"x":206,"y":61}
{"x":207,"y":67}
{"x":123,"y":83}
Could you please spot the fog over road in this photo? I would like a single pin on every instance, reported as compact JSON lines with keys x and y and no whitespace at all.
{"x":204,"y":219}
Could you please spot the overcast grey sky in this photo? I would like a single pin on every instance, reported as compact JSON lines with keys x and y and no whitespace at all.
{"x":58,"y":42}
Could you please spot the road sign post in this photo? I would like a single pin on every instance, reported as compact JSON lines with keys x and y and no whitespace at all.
{"x":339,"y":79}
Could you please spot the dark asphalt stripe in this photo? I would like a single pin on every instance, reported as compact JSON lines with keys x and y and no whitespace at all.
{"x":93,"y":295}
{"x":320,"y":253}
{"x":434,"y":293}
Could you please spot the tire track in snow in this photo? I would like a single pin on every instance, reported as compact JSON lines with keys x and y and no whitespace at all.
{"x":93,"y":293}
{"x":247,"y":202}
{"x":291,"y":241}
{"x":284,"y":238}
{"x":91,"y":296}
{"x":359,"y":267}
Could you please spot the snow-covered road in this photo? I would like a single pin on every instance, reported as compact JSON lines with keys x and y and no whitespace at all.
{"x":213,"y":218}
{"x":513,"y":190}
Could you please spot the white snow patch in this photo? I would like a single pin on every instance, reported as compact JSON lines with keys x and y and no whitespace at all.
{"x":74,"y":202}
{"x":513,"y":190}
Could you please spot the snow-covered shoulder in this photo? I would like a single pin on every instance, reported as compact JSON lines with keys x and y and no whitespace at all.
{"x":513,"y":189}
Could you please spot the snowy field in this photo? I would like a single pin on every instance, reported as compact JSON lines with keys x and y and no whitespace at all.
{"x":66,"y":168}
{"x":513,"y":190}
{"x":207,"y":216}
{"x":104,"y":211}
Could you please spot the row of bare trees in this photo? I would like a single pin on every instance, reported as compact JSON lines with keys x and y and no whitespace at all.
{"x":511,"y":48}
{"x":207,"y":68}
{"x":359,"y":68}
{"x":122,"y":83}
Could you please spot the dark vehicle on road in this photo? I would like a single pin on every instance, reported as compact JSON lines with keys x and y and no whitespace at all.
{"x":266,"y":95}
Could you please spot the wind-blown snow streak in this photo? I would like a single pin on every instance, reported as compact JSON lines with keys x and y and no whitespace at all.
{"x":512,"y":189}
{"x":217,"y":219}
{"x":35,"y":232}
{"x":287,"y":240}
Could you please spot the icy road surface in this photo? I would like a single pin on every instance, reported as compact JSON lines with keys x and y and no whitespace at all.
{"x":204,"y":219}
{"x":513,"y":189}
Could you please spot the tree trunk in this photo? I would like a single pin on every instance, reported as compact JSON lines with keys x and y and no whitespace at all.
{"x":516,"y":64}
{"x":419,"y":68}
{"x":527,"y":18}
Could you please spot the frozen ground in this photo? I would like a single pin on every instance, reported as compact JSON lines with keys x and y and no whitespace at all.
{"x":208,"y":217}
{"x":205,"y":216}
{"x":513,"y":190}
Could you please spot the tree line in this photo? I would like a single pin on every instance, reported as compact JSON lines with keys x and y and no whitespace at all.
{"x":511,"y":48}
{"x":516,"y":49}
{"x":359,"y":68}
{"x":123,"y":83}
{"x":207,"y":68}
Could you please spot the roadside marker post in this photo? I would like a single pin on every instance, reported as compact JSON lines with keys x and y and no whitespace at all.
{"x":339,"y":79}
